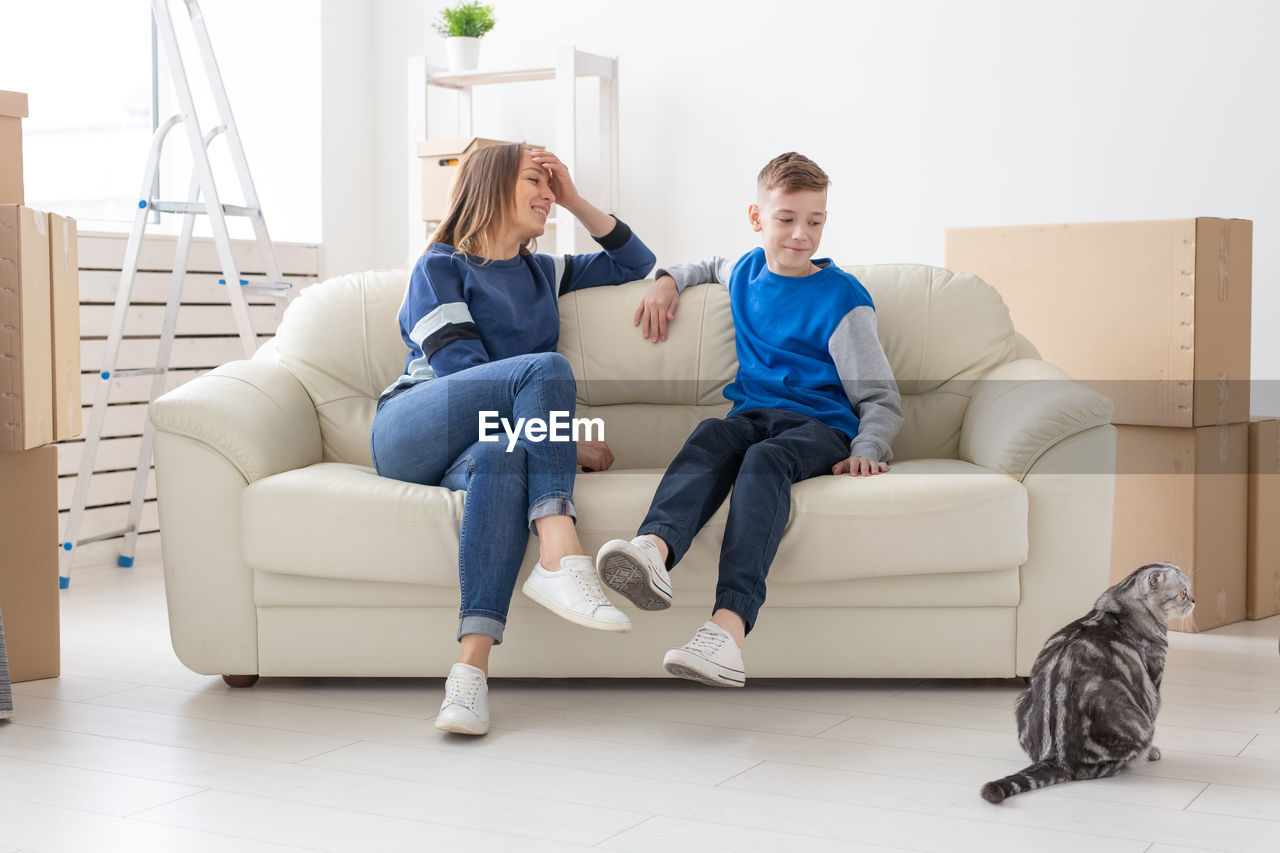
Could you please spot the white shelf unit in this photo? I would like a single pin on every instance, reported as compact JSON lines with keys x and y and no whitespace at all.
{"x":570,"y":65}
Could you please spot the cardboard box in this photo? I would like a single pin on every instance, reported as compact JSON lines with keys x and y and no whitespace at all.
{"x":26,"y":366}
{"x":1156,"y":315}
{"x":64,"y":286}
{"x":440,"y":159}
{"x":1263,"y":575}
{"x":1182,"y":497}
{"x":13,"y":109}
{"x":29,"y":561}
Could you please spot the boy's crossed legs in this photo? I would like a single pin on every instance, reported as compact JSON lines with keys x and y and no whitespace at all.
{"x":757,"y":454}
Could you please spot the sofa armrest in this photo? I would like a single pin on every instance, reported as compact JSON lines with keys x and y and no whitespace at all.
{"x":255,"y":414}
{"x":1023,"y":408}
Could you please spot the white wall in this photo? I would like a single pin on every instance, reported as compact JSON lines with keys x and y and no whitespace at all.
{"x":267,"y":58}
{"x":348,"y":127}
{"x":86,"y":66}
{"x":925,"y":114}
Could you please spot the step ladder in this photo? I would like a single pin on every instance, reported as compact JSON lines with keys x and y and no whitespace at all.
{"x":202,"y":200}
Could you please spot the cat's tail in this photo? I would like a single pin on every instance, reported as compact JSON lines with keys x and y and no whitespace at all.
{"x":1038,"y":775}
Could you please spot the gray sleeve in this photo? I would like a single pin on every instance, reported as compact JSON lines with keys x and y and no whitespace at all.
{"x":714,"y":269}
{"x":864,"y":372}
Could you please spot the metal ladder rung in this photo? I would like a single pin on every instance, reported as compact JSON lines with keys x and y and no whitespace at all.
{"x":199,"y":207}
{"x":133,"y":371}
{"x":99,"y":537}
{"x":279,"y":289}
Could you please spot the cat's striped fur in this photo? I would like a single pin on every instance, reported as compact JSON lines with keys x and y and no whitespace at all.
{"x":1095,"y":686}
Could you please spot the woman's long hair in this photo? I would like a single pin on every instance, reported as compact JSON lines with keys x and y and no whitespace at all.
{"x":482,"y":200}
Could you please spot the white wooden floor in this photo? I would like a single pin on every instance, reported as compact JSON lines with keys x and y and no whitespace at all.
{"x":129,"y":751}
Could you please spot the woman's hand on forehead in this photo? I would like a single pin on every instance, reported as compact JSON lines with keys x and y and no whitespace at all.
{"x":544,"y":159}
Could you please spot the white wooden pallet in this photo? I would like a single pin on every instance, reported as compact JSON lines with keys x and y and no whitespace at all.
{"x":206,"y":337}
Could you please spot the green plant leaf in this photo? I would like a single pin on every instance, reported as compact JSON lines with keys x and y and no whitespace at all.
{"x":465,"y":20}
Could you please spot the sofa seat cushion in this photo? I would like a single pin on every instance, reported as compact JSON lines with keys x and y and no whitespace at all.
{"x":924,"y":517}
{"x":694,"y":582}
{"x":338,"y":520}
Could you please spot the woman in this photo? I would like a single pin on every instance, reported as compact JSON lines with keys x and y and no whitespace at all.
{"x":481,"y":321}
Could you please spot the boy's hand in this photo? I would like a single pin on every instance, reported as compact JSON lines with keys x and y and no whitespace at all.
{"x":657,"y":308}
{"x":594,"y":456}
{"x":859,"y":466}
{"x":558,"y":177}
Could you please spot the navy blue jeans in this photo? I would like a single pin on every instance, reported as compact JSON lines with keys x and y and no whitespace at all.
{"x":758,"y":454}
{"x":429,"y":434}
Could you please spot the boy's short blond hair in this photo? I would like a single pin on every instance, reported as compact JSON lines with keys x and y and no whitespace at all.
{"x":792,"y":172}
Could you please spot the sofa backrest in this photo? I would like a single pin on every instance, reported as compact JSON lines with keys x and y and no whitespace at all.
{"x":940,"y":331}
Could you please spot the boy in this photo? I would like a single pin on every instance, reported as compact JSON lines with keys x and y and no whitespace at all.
{"x":813,"y":395}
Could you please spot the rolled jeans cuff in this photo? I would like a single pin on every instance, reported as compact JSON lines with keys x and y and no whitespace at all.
{"x":487,"y":625}
{"x":744,"y":605}
{"x":551,"y":505}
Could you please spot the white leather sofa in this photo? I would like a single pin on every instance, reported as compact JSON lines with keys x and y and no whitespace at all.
{"x":285,"y":554}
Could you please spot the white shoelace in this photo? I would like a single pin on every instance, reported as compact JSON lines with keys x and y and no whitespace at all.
{"x":463,"y":690}
{"x":590,"y":583}
{"x":648,"y":545}
{"x":706,"y":642}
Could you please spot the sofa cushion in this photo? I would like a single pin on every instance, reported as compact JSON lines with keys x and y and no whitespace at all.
{"x":341,"y":521}
{"x":935,"y":325}
{"x":342,"y":340}
{"x":940,"y":331}
{"x":642,"y":435}
{"x":695,"y":585}
{"x":614,"y":364}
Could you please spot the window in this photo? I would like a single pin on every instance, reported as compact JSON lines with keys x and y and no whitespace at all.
{"x":88,"y":70}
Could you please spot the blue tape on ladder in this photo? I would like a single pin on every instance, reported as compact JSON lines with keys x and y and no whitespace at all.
{"x":106,"y":374}
{"x":243,"y":281}
{"x":66,"y":546}
{"x":142,"y":203}
{"x":124,"y":562}
{"x":63,"y":583}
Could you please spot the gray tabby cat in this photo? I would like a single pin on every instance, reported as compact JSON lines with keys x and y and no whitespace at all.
{"x":1095,"y":686}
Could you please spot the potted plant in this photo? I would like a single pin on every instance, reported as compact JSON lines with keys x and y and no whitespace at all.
{"x":462,"y":26}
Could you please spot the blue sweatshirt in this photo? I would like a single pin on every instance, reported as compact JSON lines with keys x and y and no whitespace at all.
{"x":806,"y":344}
{"x":459,"y":312}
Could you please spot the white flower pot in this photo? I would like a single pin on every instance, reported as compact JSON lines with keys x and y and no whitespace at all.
{"x":464,"y":53}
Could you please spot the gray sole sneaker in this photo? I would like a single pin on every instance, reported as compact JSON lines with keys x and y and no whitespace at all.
{"x":682,"y":664}
{"x":623,"y":568}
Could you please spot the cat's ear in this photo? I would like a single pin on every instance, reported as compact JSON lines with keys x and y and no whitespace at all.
{"x":1153,"y":579}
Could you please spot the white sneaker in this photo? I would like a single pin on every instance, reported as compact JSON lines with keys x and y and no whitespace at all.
{"x":574,"y":593}
{"x":465,"y":708}
{"x":711,"y":657}
{"x":636,"y":570}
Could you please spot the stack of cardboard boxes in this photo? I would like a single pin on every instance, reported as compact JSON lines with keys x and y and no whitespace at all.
{"x":1156,"y":315}
{"x":1263,"y":586}
{"x":39,"y":403}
